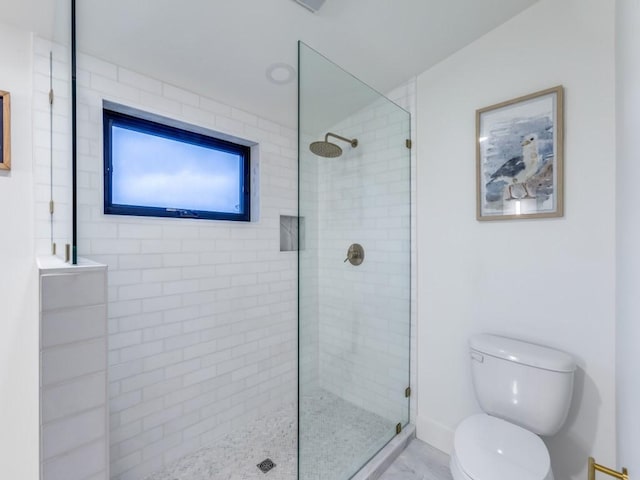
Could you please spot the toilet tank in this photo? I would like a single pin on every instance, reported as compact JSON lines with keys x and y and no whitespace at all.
{"x":526,"y":384}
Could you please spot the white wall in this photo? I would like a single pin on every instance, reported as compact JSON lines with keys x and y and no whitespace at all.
{"x":202,"y":314}
{"x":628,"y":233}
{"x":550,"y":281}
{"x":18,"y":294}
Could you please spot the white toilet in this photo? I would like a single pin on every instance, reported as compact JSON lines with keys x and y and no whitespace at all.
{"x":525,"y":391}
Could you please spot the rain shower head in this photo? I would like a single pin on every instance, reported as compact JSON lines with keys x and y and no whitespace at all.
{"x":325,"y":149}
{"x":330,"y":150}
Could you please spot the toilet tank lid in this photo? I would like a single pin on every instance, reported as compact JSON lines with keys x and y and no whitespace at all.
{"x":522,"y":352}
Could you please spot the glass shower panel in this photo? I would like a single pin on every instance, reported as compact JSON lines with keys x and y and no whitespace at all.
{"x":52,"y":133}
{"x":354,"y":304}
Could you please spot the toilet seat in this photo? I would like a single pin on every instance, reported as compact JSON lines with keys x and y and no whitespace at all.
{"x":489,"y":448}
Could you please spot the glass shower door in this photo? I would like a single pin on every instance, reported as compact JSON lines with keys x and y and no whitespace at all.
{"x":354,"y":270}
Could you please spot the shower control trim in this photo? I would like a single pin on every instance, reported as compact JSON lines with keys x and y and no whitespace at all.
{"x":355,"y":254}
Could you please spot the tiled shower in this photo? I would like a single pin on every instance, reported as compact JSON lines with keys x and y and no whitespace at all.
{"x":203,"y":316}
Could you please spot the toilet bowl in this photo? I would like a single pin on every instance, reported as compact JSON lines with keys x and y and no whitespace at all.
{"x":525,"y":391}
{"x":489,"y":448}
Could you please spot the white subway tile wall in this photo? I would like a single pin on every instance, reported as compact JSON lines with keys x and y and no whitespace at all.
{"x":309,"y":279}
{"x":406,"y":97}
{"x":73,"y":372}
{"x":202,"y":314}
{"x":365,"y":311}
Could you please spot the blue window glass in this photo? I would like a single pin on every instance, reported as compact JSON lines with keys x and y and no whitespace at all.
{"x":152,"y":169}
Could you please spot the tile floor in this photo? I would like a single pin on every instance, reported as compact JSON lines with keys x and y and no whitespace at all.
{"x":419,"y":461}
{"x":329,"y":423}
{"x":236,"y":455}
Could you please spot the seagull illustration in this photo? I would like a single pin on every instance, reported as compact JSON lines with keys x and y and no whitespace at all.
{"x":518,"y":169}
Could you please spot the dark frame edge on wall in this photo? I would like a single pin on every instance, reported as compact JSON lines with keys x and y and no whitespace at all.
{"x":74,"y":141}
{"x":151,"y":124}
{"x":5,"y":138}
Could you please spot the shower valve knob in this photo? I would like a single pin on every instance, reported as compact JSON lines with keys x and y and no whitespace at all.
{"x":355,"y":254}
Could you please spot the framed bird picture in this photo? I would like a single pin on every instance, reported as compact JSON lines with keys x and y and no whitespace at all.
{"x":519,"y":157}
{"x":5,"y":131}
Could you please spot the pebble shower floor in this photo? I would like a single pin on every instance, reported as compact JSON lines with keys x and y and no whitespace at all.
{"x":330,"y":424}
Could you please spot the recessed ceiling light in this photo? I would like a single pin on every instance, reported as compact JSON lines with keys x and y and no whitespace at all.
{"x":281,"y":73}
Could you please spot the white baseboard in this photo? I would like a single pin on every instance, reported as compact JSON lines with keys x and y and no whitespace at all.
{"x":435,"y":434}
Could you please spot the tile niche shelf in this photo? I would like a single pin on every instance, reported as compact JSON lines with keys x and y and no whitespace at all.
{"x":291,"y":228}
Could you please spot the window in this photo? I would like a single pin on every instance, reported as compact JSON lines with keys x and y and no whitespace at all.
{"x":160,"y":170}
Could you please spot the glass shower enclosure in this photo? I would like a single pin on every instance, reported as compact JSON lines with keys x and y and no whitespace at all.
{"x":354,"y":270}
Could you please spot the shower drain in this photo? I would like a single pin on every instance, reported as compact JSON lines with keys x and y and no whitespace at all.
{"x":266,"y":465}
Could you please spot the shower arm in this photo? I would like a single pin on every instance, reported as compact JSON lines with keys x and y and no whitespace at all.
{"x":354,"y":142}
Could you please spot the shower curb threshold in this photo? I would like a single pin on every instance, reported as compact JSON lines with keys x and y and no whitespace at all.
{"x":385,"y":457}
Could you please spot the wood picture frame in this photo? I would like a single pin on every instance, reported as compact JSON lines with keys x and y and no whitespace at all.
{"x":519,"y":157}
{"x":5,"y":130}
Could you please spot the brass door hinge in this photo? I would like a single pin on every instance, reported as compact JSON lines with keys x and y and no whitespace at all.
{"x":51,"y":97}
{"x":51,"y":207}
{"x":398,"y":428}
{"x":407,"y":392}
{"x":409,"y":143}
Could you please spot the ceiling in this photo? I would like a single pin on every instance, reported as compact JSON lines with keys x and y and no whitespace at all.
{"x":222,"y":48}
